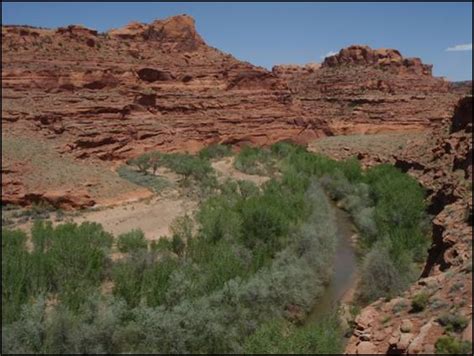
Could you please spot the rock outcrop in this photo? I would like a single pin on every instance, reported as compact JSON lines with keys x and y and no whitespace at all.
{"x":288,"y":71}
{"x":462,"y":87}
{"x":176,"y":33}
{"x":386,"y":59}
{"x":364,"y":90}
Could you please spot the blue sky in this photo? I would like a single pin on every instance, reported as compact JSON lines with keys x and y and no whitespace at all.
{"x":266,"y":34}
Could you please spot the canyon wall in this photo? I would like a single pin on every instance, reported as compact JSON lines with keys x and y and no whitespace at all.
{"x":364,"y":90}
{"x":159,"y":86}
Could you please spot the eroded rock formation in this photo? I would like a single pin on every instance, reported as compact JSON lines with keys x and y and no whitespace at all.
{"x":288,"y":71}
{"x":364,"y":90}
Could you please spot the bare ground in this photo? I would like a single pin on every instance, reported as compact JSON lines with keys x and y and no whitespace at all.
{"x":386,"y":143}
{"x":153,"y":215}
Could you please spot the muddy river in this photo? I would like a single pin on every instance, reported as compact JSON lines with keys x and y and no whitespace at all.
{"x":343,"y":279}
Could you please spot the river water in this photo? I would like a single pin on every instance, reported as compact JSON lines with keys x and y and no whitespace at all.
{"x":344,"y":274}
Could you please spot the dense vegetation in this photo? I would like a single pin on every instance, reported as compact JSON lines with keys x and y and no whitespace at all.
{"x":281,"y":337}
{"x":387,"y":207}
{"x":226,"y":279}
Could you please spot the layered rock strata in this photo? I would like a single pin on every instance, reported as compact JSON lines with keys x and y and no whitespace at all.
{"x":110,"y":96}
{"x":364,"y":90}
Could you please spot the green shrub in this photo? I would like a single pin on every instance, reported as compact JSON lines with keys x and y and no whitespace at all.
{"x":419,"y":302}
{"x":448,"y":345}
{"x":248,"y":189}
{"x":215,"y":151}
{"x":131,"y":241}
{"x":16,"y":266}
{"x":453,"y":322}
{"x":262,"y":221}
{"x":187,"y":165}
{"x":182,"y":228}
{"x":156,"y":280}
{"x":127,"y":276}
{"x":161,"y":245}
{"x":177,"y":245}
{"x":310,"y":164}
{"x":75,"y":259}
{"x":399,"y":198}
{"x":351,"y":169}
{"x":284,"y":149}
{"x":252,"y":160}
{"x":280,"y":337}
{"x":69,"y":260}
{"x":380,"y":276}
{"x":218,"y":218}
{"x":217,"y":263}
{"x":269,"y":338}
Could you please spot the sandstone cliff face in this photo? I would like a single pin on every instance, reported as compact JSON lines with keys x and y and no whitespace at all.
{"x":157,"y":86}
{"x":443,"y":164}
{"x":362,"y":90}
{"x":110,"y":96}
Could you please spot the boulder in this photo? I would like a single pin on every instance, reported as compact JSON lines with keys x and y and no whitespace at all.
{"x":366,"y":348}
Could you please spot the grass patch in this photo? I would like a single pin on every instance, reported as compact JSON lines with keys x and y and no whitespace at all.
{"x":155,"y":183}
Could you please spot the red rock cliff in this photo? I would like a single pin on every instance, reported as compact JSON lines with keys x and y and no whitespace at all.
{"x":145,"y":86}
{"x":362,"y":90}
{"x":159,"y":86}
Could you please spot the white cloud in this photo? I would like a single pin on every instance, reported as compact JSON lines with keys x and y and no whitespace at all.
{"x":461,"y":47}
{"x":330,"y":53}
